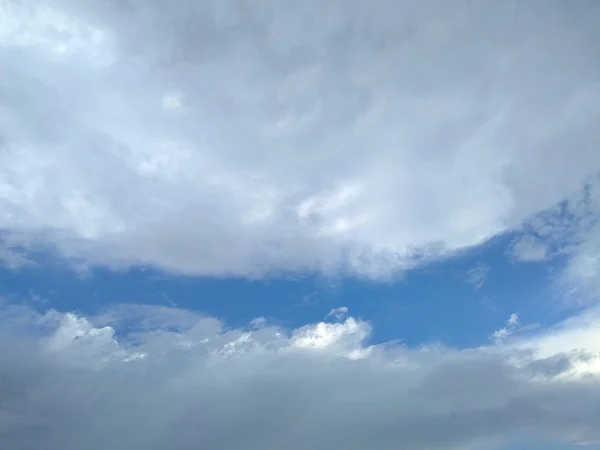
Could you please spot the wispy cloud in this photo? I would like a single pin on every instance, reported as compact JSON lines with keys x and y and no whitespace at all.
{"x":512,"y":325}
{"x":529,"y":249}
{"x":477,"y":275}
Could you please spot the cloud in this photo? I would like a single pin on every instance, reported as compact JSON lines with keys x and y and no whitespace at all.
{"x":172,"y":102}
{"x":581,"y":278}
{"x":67,"y":381}
{"x":477,"y":275}
{"x":12,"y":259}
{"x":568,"y":235}
{"x":220,"y":137}
{"x":512,"y":325}
{"x":579,"y":281}
{"x":529,"y":249}
{"x":338,"y":313}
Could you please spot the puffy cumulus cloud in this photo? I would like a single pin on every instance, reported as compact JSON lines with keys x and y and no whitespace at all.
{"x":143,"y":377}
{"x":233,"y":137}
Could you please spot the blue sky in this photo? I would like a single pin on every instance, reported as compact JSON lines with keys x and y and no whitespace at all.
{"x":439,"y":302}
{"x":317,"y":224}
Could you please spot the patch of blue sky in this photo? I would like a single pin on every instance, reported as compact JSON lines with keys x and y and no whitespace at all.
{"x":437,"y":303}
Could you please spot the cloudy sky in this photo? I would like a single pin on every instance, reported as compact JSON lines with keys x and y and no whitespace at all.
{"x":234,"y":224}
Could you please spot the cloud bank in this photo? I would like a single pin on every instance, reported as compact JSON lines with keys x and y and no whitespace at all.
{"x":148,"y":377}
{"x":236,"y":138}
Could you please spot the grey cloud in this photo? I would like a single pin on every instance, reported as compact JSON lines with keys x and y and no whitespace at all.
{"x":555,"y":365}
{"x":314,"y":136}
{"x":267,"y":394}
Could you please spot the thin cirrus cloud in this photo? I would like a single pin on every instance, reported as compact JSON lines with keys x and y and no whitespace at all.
{"x":235,"y":138}
{"x":182,"y":381}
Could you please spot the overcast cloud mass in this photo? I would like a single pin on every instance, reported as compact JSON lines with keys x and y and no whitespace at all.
{"x":318,"y":387}
{"x":233,"y":137}
{"x":252,"y":138}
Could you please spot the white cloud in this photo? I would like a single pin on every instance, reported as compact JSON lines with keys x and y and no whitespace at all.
{"x":529,"y":249}
{"x":477,"y":275}
{"x":68,"y":382}
{"x":579,"y":282}
{"x":12,"y":259}
{"x":512,"y":325}
{"x":315,"y":137}
{"x":258,"y":322}
{"x":347,"y":338}
{"x":173,"y":102}
{"x":579,"y":334}
{"x":338,"y":313}
{"x":569,"y":234}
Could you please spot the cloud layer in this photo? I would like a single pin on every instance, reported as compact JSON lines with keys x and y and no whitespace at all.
{"x":226,"y":137}
{"x":178,"y":380}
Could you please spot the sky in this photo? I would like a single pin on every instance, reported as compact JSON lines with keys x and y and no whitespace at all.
{"x":322,"y":224}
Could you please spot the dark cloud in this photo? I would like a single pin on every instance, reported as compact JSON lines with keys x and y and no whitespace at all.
{"x":205,"y":388}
